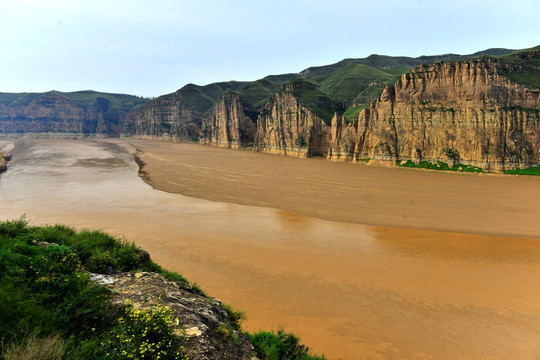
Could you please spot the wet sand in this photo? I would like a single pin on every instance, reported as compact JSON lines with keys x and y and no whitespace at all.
{"x":349,"y":290}
{"x":354,"y":193}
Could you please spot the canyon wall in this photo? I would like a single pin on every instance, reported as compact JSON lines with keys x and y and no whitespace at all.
{"x":287,"y":127}
{"x":463,"y":112}
{"x":228,"y":125}
{"x":51,"y":112}
{"x":459,"y":112}
{"x":166,"y":117}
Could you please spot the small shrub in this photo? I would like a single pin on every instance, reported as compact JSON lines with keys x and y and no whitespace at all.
{"x":151,"y":334}
{"x":439,"y":165}
{"x":533,"y":170}
{"x":229,"y":333}
{"x":280,"y":346}
{"x":236,"y":316}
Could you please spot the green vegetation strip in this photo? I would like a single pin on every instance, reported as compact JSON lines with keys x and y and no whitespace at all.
{"x":533,"y":170}
{"x":50,"y":309}
{"x":439,"y":165}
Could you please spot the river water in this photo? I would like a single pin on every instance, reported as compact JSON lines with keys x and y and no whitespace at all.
{"x":350,"y":291}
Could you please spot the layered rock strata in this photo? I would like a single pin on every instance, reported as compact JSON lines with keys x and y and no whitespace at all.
{"x":228,"y":125}
{"x":166,"y":117}
{"x":460,"y":112}
{"x":51,"y":112}
{"x":454,"y":112}
{"x":287,"y":127}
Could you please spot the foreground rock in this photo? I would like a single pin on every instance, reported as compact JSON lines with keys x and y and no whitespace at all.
{"x":207,"y":325}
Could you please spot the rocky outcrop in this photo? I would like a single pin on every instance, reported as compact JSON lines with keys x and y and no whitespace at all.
{"x":208,"y":326}
{"x":454,"y":112}
{"x":228,"y":125}
{"x":343,"y":139}
{"x":285,"y":126}
{"x":457,"y":112}
{"x":51,"y":112}
{"x":166,"y":117}
{"x":4,"y":158}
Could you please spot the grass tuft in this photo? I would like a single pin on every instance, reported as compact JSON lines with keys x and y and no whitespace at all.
{"x":281,"y":346}
{"x":439,"y":165}
{"x":533,"y":170}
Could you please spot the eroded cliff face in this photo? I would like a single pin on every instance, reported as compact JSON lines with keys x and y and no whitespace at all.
{"x":166,"y":117}
{"x":51,"y":112}
{"x":228,"y":125}
{"x":459,"y":112}
{"x":454,"y":112}
{"x":286,"y":127}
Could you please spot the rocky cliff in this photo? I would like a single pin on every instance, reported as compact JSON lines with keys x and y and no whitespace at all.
{"x":210,"y":330}
{"x":228,"y":125}
{"x":464,"y":112}
{"x":167,"y":117}
{"x":467,"y":112}
{"x":4,"y":158}
{"x":82,"y":112}
{"x":287,"y":124}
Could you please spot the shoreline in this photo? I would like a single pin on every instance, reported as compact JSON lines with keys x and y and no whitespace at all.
{"x":378,"y":196}
{"x":345,"y":289}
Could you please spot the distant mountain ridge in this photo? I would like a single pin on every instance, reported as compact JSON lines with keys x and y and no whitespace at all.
{"x":473,"y":113}
{"x":85,"y":112}
{"x":481,"y":109}
{"x":350,"y":82}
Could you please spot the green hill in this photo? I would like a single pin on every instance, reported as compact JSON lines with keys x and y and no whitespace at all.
{"x":528,"y":72}
{"x":353,"y":83}
{"x":117,"y":102}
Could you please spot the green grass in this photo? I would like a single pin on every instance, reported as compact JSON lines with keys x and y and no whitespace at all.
{"x":524,"y":67}
{"x":202,"y":98}
{"x":439,"y":165}
{"x":352,"y":113}
{"x":51,"y":310}
{"x":309,"y":95}
{"x":46,"y":291}
{"x":533,"y":170}
{"x":281,"y":346}
{"x":345,"y":84}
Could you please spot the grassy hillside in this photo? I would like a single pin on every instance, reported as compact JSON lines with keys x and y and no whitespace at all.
{"x":202,"y":98}
{"x":309,"y":95}
{"x":528,"y":70}
{"x":118,"y":102}
{"x":50,"y":308}
{"x":353,"y":83}
{"x":258,"y":92}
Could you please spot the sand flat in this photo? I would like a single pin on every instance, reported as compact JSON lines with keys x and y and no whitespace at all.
{"x":418,"y":199}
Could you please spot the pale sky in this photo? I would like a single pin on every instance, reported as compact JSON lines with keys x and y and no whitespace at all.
{"x":154,"y":47}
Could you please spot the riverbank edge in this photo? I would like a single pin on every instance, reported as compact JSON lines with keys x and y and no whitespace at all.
{"x":208,"y":328}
